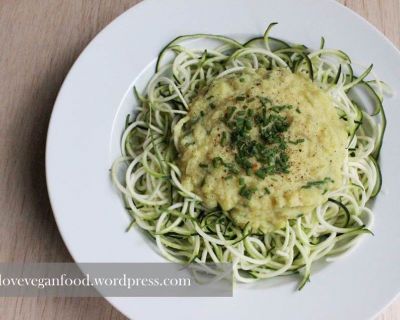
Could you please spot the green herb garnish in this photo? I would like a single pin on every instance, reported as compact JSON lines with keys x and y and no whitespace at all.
{"x":229,"y":113}
{"x":262,"y":173}
{"x":224,"y":138}
{"x":240,"y":98}
{"x":278,"y":109}
{"x":264,"y":101}
{"x":269,"y":149}
{"x":247,"y":192}
{"x":231,"y":168}
{"x":296,"y":141}
{"x":217,"y":161}
{"x":317,"y":183}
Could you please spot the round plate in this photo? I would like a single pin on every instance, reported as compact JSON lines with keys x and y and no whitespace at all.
{"x":89,"y":115}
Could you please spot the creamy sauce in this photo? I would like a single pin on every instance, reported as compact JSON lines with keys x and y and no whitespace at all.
{"x":314,"y":144}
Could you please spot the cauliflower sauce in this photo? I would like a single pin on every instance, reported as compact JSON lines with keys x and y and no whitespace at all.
{"x":264,"y":146}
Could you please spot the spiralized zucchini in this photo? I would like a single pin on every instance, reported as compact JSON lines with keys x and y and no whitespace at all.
{"x":182,"y":228}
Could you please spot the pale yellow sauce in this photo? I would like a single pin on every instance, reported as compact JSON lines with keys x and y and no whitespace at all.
{"x":320,"y":156}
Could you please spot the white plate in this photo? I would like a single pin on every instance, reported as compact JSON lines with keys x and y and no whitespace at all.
{"x":87,"y":121}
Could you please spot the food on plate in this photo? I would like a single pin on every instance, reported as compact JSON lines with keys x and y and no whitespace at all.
{"x":262,"y":154}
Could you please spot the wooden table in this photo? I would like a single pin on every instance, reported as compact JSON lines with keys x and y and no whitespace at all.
{"x":39,"y":41}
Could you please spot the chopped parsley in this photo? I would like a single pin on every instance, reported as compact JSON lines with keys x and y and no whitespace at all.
{"x":264,"y":101}
{"x":278,"y":109}
{"x":247,"y":192}
{"x":296,"y":141}
{"x":231,"y":168}
{"x":231,"y":110}
{"x":250,"y":113}
{"x":256,"y":137}
{"x":224,"y":138}
{"x":262,"y":173}
{"x":317,"y":183}
{"x":217,"y":162}
{"x":262,"y":155}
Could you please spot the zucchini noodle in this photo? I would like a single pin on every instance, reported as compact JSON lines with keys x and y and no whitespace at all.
{"x":183,"y":229}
